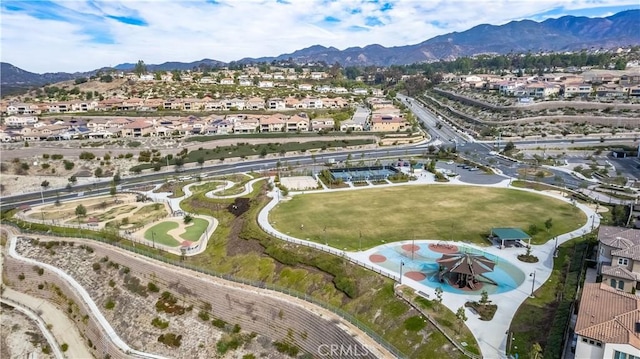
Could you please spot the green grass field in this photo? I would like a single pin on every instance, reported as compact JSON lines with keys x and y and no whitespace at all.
{"x":161,"y":236}
{"x":194,"y":230}
{"x":459,"y":213}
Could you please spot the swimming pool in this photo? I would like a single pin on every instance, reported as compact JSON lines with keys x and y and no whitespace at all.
{"x":420,"y":265}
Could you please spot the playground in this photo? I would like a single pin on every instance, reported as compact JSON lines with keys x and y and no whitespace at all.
{"x":356,"y":220}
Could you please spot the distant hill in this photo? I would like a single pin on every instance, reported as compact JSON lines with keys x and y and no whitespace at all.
{"x":168,"y":66}
{"x":563,"y":34}
{"x":16,"y":80}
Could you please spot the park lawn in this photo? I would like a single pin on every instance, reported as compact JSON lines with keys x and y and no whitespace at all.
{"x":195,"y":229}
{"x":380,"y":215}
{"x":161,"y":236}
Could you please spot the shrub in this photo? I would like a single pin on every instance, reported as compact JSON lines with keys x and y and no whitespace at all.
{"x":87,"y":156}
{"x":64,"y":347}
{"x":218,"y":323}
{"x":170,"y":339}
{"x":159,"y":323}
{"x":21,"y":276}
{"x":110,"y":304}
{"x":152,"y":287}
{"x":286,"y":348}
{"x":414,"y":323}
{"x":204,"y":316}
{"x":96,"y":266}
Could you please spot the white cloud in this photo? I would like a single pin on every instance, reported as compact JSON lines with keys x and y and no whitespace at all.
{"x":189,"y":31}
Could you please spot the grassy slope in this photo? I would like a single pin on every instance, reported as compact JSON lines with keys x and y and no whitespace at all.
{"x":430,"y":212}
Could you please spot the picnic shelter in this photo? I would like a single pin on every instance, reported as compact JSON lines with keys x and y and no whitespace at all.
{"x":509,"y":237}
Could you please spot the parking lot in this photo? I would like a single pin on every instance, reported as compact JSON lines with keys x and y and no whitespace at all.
{"x":470,"y":174}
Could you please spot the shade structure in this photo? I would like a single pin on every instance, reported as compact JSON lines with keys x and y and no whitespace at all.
{"x":465,"y":266}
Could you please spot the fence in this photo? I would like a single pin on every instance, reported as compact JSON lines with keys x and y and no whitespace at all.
{"x":303,"y":296}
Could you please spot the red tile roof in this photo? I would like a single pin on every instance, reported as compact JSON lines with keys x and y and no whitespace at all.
{"x":608,"y":315}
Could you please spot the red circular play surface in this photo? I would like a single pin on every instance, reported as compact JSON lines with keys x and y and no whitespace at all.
{"x":377,"y":258}
{"x":417,"y":276}
{"x":410,"y":247}
{"x":443,"y":248}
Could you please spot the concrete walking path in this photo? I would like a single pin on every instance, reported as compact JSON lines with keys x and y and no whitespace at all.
{"x":491,"y":335}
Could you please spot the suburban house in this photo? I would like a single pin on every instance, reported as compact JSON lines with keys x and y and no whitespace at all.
{"x":297,"y":123}
{"x":138,"y":128}
{"x":249,"y":125}
{"x":351,"y":125}
{"x":255,"y":103}
{"x":272,"y":124}
{"x":619,"y":257}
{"x":19,"y":121}
{"x":582,"y":89}
{"x":322,"y":124}
{"x":388,"y":123}
{"x":23,"y":109}
{"x":276,"y":104}
{"x":608,"y":324}
{"x":611,"y":90}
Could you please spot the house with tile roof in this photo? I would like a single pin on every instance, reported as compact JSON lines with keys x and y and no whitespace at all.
{"x":607,"y":324}
{"x":619,"y":257}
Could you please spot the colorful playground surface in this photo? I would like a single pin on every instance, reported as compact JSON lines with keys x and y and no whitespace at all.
{"x":420,"y":264}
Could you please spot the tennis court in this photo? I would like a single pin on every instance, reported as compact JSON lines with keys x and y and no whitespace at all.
{"x":361,"y":174}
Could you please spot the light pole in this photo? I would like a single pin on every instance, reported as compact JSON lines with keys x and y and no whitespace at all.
{"x":401,"y":265}
{"x":360,"y":242}
{"x":533,"y":283}
{"x":153,"y":238}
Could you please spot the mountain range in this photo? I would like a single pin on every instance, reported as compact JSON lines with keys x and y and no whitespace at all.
{"x":567,"y":33}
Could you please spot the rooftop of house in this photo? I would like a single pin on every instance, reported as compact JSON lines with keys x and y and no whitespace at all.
{"x":608,"y":315}
{"x":619,"y":237}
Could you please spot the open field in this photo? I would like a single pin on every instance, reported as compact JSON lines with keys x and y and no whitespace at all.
{"x":159,"y":233}
{"x":459,"y":213}
{"x":194,"y":230}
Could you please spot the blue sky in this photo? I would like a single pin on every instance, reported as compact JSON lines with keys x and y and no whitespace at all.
{"x":78,"y":35}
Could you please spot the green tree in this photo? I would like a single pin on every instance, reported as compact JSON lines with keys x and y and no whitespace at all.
{"x":200,"y":161}
{"x":438,"y":297}
{"x":140,"y":68}
{"x":113,"y":189}
{"x":536,"y":351}
{"x":44,"y":184}
{"x":188,"y":219}
{"x":98,"y":172}
{"x":117,"y":178}
{"x":81,"y":211}
{"x":509,"y":147}
{"x":548,"y":224}
{"x":461,"y":315}
{"x":484,"y":298}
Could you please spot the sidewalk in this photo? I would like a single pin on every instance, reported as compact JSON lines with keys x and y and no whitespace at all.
{"x":62,"y":328}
